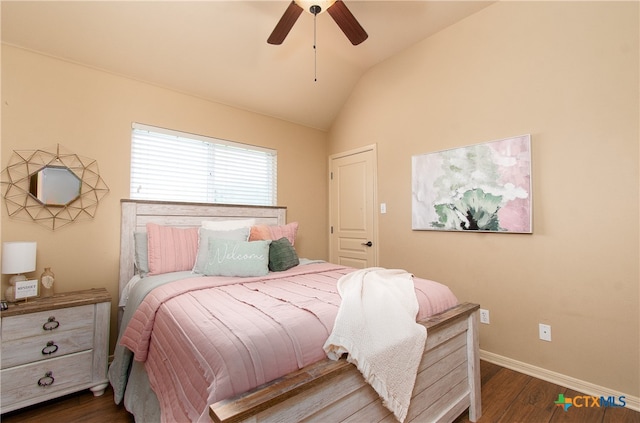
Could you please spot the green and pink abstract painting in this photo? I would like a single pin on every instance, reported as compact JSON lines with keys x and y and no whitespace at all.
{"x":484,"y":187}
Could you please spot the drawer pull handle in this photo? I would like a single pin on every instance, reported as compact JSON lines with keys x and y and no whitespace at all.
{"x":50,"y":348}
{"x":51,"y":324}
{"x":46,"y":380}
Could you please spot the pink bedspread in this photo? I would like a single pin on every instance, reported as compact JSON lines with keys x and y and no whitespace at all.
{"x":205,"y":339}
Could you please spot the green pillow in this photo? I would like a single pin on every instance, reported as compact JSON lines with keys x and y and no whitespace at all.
{"x":204,"y":235}
{"x":141,"y":253}
{"x":237,"y":258}
{"x":282,"y":255}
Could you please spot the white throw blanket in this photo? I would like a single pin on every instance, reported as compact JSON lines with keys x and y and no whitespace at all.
{"x":376,"y":326}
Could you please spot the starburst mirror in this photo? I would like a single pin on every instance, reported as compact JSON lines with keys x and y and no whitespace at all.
{"x":52,"y":188}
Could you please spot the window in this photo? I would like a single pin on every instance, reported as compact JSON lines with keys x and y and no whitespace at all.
{"x":176,"y":166}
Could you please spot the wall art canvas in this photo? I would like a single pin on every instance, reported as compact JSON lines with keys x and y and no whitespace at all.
{"x":484,"y":187}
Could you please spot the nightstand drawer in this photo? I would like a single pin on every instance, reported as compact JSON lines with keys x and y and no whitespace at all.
{"x":47,"y":346}
{"x":60,"y":320}
{"x":22,"y":383}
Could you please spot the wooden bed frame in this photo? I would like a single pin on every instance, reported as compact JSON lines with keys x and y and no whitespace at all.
{"x":448,"y":380}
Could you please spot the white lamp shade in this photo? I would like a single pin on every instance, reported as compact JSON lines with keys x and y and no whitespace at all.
{"x":18,"y":257}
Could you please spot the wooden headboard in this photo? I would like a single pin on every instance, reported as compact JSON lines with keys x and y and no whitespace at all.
{"x":135,"y":214}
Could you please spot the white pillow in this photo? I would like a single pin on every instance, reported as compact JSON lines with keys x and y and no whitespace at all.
{"x":227,"y":225}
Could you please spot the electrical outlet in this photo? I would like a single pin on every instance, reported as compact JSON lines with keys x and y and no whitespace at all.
{"x":484,"y":316}
{"x":545,"y":332}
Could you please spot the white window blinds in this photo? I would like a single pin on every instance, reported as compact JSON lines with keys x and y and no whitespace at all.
{"x":176,"y":166}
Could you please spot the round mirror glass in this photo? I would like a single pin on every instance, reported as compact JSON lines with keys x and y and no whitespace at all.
{"x":55,"y":186}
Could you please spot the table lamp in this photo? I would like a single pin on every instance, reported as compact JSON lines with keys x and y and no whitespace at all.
{"x":17,"y":258}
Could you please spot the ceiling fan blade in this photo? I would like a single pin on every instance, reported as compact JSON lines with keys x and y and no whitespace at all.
{"x":347,"y":22}
{"x":285,"y":24}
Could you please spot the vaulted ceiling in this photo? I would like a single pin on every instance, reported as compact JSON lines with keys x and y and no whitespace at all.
{"x":218,"y":50}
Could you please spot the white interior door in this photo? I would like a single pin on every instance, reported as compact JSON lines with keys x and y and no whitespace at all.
{"x":352,"y":216}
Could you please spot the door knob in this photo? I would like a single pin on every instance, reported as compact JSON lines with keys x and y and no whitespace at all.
{"x":368,"y":243}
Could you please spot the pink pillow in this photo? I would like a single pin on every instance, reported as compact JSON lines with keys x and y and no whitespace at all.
{"x":171,"y":249}
{"x":264,"y":232}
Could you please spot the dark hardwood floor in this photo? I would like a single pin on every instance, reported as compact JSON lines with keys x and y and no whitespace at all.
{"x":78,"y":407}
{"x":507,"y":397}
{"x":511,"y":397}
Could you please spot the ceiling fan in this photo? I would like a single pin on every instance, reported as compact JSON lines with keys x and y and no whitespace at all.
{"x":336,"y":8}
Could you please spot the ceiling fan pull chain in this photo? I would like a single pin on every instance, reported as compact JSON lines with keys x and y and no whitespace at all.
{"x":315,"y":50}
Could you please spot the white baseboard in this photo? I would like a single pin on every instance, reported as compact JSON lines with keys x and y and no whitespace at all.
{"x":559,"y":379}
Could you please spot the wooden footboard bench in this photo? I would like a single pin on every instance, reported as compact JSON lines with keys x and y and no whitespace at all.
{"x":448,"y":382}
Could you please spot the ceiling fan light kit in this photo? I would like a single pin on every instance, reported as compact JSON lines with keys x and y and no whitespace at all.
{"x":315,"y":7}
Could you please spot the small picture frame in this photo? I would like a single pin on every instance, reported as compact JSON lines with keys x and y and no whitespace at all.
{"x":26,"y":289}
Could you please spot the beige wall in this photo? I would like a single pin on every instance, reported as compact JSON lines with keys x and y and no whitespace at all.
{"x":567,"y":73}
{"x":47,"y":101}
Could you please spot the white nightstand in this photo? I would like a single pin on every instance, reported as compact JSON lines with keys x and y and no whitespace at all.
{"x":54,"y":346}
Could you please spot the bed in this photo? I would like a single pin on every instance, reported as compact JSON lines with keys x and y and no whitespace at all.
{"x":313,"y":388}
